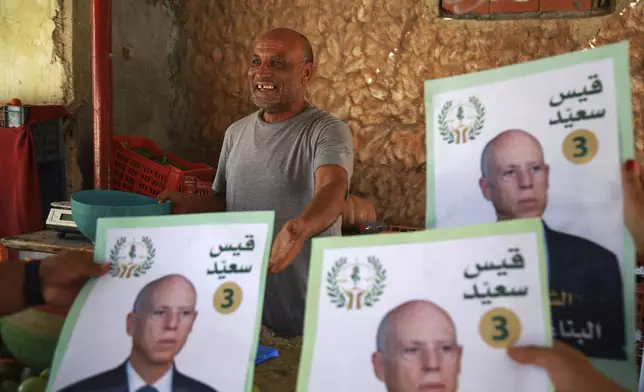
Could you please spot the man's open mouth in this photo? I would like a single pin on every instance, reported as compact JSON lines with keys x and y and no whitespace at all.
{"x":265,"y":86}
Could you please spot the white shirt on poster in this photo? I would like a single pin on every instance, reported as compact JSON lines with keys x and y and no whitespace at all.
{"x":135,"y":382}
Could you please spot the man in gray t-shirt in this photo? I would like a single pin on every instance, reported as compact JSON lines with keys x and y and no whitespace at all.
{"x":271,"y":166}
{"x":289,"y":157}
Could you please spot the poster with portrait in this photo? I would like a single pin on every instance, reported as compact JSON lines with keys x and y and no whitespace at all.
{"x":179,"y":310}
{"x":426,"y":310}
{"x":546,"y":139}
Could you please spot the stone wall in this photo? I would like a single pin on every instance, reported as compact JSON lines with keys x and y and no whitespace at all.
{"x":372,"y":59}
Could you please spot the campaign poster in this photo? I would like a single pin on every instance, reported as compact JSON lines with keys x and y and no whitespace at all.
{"x":546,"y":139}
{"x":179,"y":310}
{"x":427,"y":310}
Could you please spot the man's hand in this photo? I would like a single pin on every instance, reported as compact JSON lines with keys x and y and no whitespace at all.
{"x":288,"y":243}
{"x":186,"y":203}
{"x":568,"y":368}
{"x":180,"y":201}
{"x":63,"y":275}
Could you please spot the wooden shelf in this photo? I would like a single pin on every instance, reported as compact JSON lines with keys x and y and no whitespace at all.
{"x":47,"y":241}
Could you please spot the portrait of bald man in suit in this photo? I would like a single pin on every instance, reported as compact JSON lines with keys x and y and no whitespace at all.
{"x":159,"y":324}
{"x":417,"y":349}
{"x":515,"y":179}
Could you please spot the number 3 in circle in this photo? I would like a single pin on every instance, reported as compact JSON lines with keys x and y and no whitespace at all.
{"x":227,"y":298}
{"x":500,"y":327}
{"x":580,"y":146}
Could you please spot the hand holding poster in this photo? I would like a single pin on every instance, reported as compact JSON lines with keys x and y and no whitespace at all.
{"x":179,"y":309}
{"x":430,"y":309}
{"x":545,"y":139}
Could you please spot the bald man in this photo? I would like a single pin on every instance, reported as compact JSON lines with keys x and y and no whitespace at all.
{"x":161,"y":320}
{"x":417,"y":349}
{"x":515,"y":179}
{"x":289,"y":157}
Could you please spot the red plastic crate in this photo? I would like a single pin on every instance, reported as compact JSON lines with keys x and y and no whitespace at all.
{"x":131,"y":172}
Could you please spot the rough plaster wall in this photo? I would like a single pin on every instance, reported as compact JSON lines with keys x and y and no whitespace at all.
{"x":143,"y":40}
{"x":32,"y":68}
{"x":373,"y":56}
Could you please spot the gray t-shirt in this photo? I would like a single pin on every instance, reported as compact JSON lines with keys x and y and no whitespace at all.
{"x":271,"y":166}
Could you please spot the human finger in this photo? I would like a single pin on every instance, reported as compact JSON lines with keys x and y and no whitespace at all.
{"x":64,"y":261}
{"x":72,"y":256}
{"x":92,"y":269}
{"x":278,"y":266}
{"x":276,"y":262}
{"x":84,"y":266}
{"x":531,"y":355}
{"x":164,"y":196}
{"x":272,"y":259}
{"x":632,"y":180}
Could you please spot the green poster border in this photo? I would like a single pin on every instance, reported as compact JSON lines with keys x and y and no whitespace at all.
{"x":316,"y":277}
{"x":619,"y":53}
{"x":223,"y":218}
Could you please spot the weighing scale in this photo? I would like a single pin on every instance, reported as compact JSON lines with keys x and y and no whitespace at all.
{"x":60,"y":219}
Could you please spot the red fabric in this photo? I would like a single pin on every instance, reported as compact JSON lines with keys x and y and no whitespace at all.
{"x":20,"y":210}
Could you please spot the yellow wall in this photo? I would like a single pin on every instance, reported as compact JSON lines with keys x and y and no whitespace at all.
{"x":29,"y":68}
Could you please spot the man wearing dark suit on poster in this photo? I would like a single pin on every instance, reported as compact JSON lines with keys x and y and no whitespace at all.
{"x":584,"y":278}
{"x":159,"y":324}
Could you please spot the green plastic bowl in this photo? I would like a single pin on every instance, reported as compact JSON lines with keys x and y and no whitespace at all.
{"x":31,"y":337}
{"x":88,"y":206}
